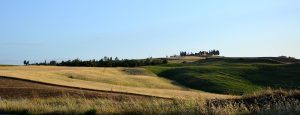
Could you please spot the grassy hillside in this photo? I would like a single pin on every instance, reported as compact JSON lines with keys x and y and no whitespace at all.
{"x":84,"y":90}
{"x":231,"y":76}
{"x":131,"y":80}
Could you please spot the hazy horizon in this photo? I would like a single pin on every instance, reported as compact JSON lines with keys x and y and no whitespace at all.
{"x":68,"y":29}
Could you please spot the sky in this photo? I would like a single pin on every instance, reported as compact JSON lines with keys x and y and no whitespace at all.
{"x":38,"y":30}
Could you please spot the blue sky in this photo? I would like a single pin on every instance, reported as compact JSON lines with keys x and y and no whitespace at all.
{"x":36,"y":30}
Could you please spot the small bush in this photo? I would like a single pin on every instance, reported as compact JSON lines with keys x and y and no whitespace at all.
{"x":92,"y":111}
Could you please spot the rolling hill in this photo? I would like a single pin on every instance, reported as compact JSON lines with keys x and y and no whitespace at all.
{"x":186,"y":85}
{"x":118,"y":80}
{"x":232,"y":75}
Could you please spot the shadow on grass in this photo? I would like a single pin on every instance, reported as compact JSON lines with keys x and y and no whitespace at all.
{"x":247,"y":80}
{"x":187,"y":77}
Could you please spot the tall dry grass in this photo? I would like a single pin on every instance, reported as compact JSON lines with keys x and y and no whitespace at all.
{"x":286,"y":104}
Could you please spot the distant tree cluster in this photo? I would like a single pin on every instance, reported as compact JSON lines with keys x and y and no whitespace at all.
{"x":107,"y":62}
{"x":288,"y":57}
{"x":201,"y":53}
{"x":25,"y":62}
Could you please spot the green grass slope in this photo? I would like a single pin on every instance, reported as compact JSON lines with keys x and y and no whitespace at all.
{"x":230,"y":75}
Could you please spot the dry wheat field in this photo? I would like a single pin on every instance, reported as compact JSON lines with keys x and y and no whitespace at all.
{"x":98,"y":90}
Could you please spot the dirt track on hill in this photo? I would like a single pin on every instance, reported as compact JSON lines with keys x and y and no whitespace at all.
{"x":11,"y":88}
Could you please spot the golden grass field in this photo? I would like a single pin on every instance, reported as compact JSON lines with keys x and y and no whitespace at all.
{"x":83,"y":90}
{"x":105,"y":79}
{"x":184,"y":58}
{"x":12,"y":88}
